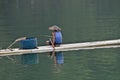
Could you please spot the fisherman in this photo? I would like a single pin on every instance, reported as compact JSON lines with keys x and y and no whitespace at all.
{"x":56,"y":39}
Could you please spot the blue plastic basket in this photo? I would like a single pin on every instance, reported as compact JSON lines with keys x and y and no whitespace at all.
{"x":29,"y":43}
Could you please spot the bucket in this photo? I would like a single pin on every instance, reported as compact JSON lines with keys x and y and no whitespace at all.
{"x":59,"y":58}
{"x":29,"y":43}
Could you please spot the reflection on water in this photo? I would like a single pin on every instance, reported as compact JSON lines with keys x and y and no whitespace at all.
{"x":31,"y":2}
{"x":33,"y":59}
{"x":91,"y":64}
{"x":58,"y":61}
{"x":29,"y":59}
{"x":59,"y":58}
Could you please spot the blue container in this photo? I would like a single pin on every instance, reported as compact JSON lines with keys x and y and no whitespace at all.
{"x":29,"y":59}
{"x":29,"y":43}
{"x":59,"y":58}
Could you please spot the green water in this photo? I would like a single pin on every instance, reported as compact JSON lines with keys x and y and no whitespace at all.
{"x":80,"y":20}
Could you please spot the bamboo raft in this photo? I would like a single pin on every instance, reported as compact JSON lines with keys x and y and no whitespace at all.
{"x":63,"y":47}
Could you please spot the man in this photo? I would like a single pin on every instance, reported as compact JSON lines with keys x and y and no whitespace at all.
{"x":56,"y":39}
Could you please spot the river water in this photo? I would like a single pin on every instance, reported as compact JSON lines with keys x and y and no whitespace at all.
{"x":80,"y":20}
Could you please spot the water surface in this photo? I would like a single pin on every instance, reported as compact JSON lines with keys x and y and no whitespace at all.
{"x":80,"y":20}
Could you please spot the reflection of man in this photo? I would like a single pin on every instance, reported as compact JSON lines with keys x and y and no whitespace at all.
{"x":59,"y":60}
{"x":58,"y":57}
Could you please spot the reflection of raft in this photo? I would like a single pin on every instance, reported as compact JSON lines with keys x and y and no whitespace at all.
{"x":64,"y":47}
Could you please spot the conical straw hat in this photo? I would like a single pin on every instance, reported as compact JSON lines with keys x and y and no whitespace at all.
{"x":54,"y":27}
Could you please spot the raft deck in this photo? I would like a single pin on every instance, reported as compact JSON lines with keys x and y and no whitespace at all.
{"x":63,"y":47}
